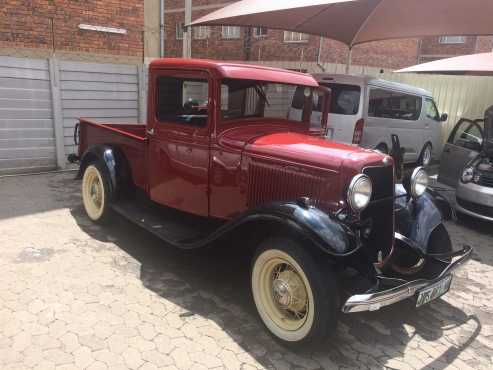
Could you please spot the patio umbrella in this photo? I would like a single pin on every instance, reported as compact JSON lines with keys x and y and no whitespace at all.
{"x":475,"y":64}
{"x":354,"y":22}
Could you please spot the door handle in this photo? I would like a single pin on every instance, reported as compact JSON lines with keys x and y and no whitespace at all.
{"x":150,"y":132}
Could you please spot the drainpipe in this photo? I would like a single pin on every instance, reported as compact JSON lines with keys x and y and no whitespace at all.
{"x":319,"y":55}
{"x":161,"y":28}
{"x":349,"y":59}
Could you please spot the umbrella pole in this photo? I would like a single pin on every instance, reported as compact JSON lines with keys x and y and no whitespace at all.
{"x":349,"y":60}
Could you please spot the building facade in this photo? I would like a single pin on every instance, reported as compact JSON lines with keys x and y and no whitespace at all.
{"x":82,"y":30}
{"x":265,"y":45}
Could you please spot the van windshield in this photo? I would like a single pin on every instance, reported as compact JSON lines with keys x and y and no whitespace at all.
{"x":345,"y":98}
{"x":242,"y":99}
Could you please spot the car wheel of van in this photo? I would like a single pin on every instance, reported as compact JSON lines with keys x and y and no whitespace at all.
{"x":96,"y":192}
{"x":426,"y":155}
{"x":382,"y":148}
{"x":296,"y":296}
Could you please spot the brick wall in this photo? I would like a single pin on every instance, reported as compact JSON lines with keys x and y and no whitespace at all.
{"x":53,"y":24}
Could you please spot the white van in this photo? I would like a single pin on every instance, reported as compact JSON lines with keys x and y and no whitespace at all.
{"x":366,"y":111}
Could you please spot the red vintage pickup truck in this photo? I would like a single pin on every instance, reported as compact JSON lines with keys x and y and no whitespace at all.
{"x":220,"y":156}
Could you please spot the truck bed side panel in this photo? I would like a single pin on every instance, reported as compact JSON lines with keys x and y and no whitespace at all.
{"x":128,"y":138}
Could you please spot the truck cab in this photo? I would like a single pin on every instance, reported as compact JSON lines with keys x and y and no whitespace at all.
{"x":221,"y":157}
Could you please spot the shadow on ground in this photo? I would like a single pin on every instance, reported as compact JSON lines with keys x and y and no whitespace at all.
{"x":214,"y":283}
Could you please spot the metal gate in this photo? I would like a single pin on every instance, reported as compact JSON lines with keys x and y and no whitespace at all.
{"x":27,"y":135}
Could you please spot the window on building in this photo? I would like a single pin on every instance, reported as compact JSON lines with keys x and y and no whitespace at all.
{"x":260,"y":32}
{"x":452,"y":39}
{"x":182,"y":100}
{"x":230,"y":32}
{"x":180,"y":29}
{"x":200,"y":32}
{"x":394,"y":105}
{"x":290,"y":36}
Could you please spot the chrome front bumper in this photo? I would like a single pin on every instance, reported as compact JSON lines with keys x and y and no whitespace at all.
{"x":376,"y":299}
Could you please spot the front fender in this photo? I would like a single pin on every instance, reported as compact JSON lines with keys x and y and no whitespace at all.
{"x":417,"y":218}
{"x":322,"y":228}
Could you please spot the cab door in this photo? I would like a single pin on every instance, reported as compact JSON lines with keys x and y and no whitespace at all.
{"x":178,"y":133}
{"x":464,"y":144}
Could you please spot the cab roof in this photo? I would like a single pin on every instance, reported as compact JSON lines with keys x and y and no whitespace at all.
{"x":243,"y":71}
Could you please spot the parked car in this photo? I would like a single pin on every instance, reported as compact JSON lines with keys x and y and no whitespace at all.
{"x":467,"y":164}
{"x":218,"y":158}
{"x":366,"y":111}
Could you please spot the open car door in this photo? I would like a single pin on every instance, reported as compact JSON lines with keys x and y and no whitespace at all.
{"x":464,"y":144}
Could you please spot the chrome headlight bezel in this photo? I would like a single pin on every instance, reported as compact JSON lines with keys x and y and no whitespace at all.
{"x":359,"y":192}
{"x":419,"y":182}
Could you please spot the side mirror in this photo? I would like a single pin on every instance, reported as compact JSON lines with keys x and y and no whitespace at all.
{"x":444,"y":117}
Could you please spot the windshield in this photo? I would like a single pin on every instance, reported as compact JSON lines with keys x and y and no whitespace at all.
{"x":242,"y":99}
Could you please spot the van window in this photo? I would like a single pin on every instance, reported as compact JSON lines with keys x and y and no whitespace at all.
{"x":395,"y":105}
{"x":345,"y":98}
{"x":431,"y":110}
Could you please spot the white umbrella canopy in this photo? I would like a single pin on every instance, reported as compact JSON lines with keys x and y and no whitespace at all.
{"x":475,"y":64}
{"x":354,"y":22}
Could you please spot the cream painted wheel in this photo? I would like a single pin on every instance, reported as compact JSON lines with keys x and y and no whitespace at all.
{"x":283,"y":295}
{"x":94,"y":194}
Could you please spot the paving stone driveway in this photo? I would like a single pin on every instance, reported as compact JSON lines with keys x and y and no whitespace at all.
{"x":74,"y":295}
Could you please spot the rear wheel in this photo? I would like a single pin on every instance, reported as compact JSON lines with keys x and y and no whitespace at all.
{"x":96,"y":192}
{"x":296,"y":297}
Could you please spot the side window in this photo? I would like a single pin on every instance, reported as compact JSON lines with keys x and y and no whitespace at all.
{"x":182,"y":100}
{"x":468,"y":134}
{"x":431,"y":110}
{"x":394,"y":105}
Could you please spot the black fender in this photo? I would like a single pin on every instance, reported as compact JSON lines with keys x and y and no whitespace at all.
{"x":116,"y":165}
{"x":417,"y":218}
{"x":319,"y":228}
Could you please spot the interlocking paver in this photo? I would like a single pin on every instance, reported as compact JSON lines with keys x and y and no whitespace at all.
{"x":114,"y":297}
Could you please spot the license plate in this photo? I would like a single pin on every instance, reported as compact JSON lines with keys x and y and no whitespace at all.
{"x":433,"y":292}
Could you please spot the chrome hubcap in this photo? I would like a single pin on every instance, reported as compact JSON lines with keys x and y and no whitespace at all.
{"x":289,"y":292}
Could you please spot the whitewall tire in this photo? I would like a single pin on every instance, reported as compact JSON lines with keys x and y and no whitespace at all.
{"x":95,"y":192}
{"x":296,"y":298}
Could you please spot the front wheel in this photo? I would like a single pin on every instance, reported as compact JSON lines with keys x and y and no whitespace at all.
{"x":296,"y":295}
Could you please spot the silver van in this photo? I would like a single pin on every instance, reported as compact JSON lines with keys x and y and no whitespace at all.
{"x":366,"y":111}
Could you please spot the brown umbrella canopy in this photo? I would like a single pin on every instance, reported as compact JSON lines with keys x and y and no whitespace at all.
{"x":475,"y":64}
{"x":355,"y":22}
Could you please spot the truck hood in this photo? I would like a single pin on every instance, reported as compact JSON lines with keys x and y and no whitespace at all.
{"x":311,"y":151}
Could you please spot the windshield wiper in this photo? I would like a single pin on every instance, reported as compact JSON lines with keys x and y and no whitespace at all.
{"x":261,"y":93}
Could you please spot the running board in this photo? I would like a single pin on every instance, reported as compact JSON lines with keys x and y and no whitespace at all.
{"x":174,"y":227}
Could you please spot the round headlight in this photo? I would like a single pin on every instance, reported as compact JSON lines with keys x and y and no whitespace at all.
{"x":467,"y":174}
{"x":419,"y":182}
{"x":359,"y":192}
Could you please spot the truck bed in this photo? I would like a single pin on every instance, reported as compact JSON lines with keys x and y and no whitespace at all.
{"x":129,"y":137}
